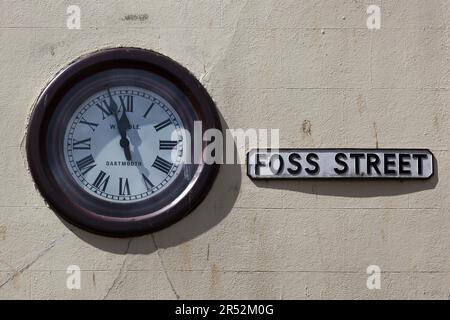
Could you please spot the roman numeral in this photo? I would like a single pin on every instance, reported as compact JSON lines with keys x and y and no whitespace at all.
{"x":101,"y":181}
{"x":147,"y":182}
{"x":148,"y":110}
{"x":82,"y":144}
{"x":162,"y":165}
{"x":167,"y":144}
{"x":86,"y":164}
{"x":126,"y":103}
{"x":106,"y":112}
{"x":162,"y":125}
{"x":124,"y":187}
{"x":92,"y":125}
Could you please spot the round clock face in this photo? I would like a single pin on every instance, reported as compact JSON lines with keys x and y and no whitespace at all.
{"x":109,"y":142}
{"x":94,"y":145}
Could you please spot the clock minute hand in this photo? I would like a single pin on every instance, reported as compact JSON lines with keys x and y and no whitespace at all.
{"x":124,"y":143}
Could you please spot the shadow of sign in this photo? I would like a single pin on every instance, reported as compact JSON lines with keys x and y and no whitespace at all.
{"x":213,"y":209}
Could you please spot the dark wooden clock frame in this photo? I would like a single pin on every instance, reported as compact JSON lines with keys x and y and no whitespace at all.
{"x":99,"y":216}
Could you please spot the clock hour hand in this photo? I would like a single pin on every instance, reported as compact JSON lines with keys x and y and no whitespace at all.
{"x":122,"y":126}
{"x":124,"y":123}
{"x":125,"y":144}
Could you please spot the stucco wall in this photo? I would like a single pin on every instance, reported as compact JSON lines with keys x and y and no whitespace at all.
{"x":267,"y":64}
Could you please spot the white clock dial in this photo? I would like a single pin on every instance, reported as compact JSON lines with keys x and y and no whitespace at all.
{"x":95,"y":147}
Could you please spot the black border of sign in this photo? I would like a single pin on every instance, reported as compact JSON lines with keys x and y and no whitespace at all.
{"x":433,"y":162}
{"x":60,"y":200}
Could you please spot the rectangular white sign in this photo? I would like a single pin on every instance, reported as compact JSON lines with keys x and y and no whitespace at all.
{"x":339,"y":163}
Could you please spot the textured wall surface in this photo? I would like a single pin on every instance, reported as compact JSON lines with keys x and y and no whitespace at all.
{"x":267,"y":64}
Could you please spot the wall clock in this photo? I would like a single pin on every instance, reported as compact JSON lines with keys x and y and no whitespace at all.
{"x":106,"y":142}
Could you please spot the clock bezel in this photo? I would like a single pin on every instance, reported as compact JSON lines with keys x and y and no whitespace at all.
{"x":60,"y":200}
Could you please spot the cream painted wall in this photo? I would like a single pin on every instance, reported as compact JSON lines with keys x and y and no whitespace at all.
{"x":267,"y":64}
